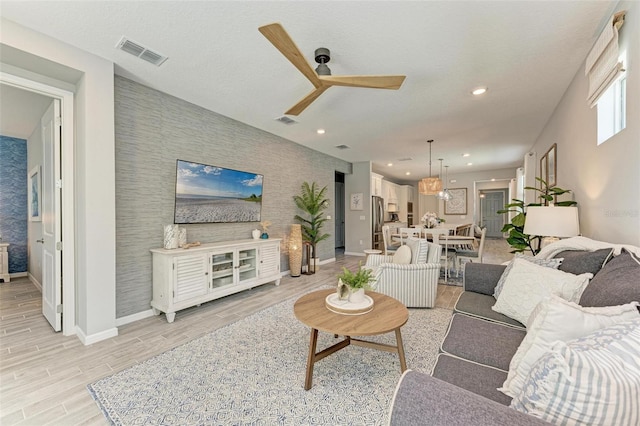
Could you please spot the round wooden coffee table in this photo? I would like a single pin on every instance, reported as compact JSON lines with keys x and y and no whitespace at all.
{"x":387,"y":315}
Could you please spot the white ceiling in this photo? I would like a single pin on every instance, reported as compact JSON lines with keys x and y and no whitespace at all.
{"x":526,"y":52}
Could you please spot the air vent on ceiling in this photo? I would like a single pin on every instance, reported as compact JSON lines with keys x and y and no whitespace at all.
{"x":343,"y":146}
{"x":138,"y":50}
{"x":286,"y":120}
{"x":405,"y":159}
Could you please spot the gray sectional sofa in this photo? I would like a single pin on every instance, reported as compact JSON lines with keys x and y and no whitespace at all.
{"x":479,"y":345}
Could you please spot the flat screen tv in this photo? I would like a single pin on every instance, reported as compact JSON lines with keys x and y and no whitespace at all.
{"x":210,"y":194}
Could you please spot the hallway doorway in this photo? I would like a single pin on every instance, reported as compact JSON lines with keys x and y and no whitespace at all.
{"x":58,"y":292}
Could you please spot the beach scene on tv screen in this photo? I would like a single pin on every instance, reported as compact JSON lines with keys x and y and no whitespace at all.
{"x":206,"y":194}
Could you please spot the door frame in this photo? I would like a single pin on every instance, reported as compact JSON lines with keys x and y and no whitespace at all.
{"x":68,"y":193}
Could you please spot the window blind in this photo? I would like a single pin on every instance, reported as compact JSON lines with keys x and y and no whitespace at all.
{"x":602,"y":65}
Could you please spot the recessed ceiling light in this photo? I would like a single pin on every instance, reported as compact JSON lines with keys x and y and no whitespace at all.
{"x":320,"y":131}
{"x":479,"y":91}
{"x":469,"y":164}
{"x":408,"y":173}
{"x":389,"y":164}
{"x":493,"y":179}
{"x":466,"y":154}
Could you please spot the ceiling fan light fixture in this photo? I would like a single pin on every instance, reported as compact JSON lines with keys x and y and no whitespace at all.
{"x":323,"y":69}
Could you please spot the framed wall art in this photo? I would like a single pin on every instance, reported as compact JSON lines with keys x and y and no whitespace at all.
{"x":356,"y":201}
{"x":35,"y":205}
{"x":458,"y":202}
{"x":548,"y":166}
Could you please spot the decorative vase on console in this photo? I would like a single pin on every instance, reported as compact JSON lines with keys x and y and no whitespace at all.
{"x":171,"y":237}
{"x":256,"y":234}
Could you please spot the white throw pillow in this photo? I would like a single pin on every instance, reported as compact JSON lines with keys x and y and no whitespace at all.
{"x":402,"y":255}
{"x":528,"y":284}
{"x":594,"y":380}
{"x":555,"y":319}
{"x":549,"y":263}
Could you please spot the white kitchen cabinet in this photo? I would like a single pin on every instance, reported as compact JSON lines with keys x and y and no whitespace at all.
{"x":188,"y":277}
{"x":376,"y":184}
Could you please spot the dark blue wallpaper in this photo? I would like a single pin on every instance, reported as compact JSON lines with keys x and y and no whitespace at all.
{"x":13,"y":200}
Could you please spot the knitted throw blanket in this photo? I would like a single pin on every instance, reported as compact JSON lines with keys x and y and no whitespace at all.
{"x":583,"y":243}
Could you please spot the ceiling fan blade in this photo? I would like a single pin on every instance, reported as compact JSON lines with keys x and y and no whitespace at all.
{"x":276,"y":34}
{"x":306,"y":101}
{"x":372,"y":81}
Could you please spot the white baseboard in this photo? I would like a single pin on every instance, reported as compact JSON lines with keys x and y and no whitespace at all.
{"x":133,"y":317}
{"x":354,"y":253}
{"x":35,"y":282}
{"x":97,"y":337}
{"x":17,"y":275}
{"x":331,"y":260}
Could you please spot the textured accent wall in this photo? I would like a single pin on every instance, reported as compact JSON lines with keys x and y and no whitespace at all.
{"x":13,"y":200}
{"x":153,"y":130}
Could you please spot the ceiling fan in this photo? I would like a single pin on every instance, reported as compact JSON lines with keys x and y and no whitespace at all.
{"x":322,"y":79}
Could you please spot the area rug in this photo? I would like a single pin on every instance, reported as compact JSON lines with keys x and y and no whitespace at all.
{"x":252,"y":372}
{"x":452,"y":278}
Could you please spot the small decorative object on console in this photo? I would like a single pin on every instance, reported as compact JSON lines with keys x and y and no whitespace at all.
{"x":265,"y":225}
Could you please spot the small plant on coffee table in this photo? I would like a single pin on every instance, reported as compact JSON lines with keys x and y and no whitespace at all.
{"x":360,"y":279}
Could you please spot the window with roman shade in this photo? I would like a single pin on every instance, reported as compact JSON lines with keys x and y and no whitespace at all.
{"x":602,"y":65}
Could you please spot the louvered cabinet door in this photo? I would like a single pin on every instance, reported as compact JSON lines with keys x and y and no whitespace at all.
{"x":269,"y":260}
{"x":190,"y":277}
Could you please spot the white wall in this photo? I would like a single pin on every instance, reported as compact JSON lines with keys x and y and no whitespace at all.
{"x":468,"y":180}
{"x":94,"y":173}
{"x":357,"y":229}
{"x":605,"y":179}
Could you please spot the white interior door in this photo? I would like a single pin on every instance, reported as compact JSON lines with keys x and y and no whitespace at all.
{"x":51,"y":215}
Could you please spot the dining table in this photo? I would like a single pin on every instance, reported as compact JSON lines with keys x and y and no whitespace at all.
{"x":441,"y":234}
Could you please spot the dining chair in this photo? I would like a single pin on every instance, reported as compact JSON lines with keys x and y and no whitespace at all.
{"x":471,"y":255}
{"x":409,"y":232}
{"x":390,"y":247}
{"x":464,"y":231}
{"x":447,"y":255}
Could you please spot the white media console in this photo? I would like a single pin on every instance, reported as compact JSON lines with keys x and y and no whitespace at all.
{"x":188,"y":277}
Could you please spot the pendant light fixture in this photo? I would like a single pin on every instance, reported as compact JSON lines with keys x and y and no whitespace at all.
{"x":445,"y":194}
{"x":430,"y":185}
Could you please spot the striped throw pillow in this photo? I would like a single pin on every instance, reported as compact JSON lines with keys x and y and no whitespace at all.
{"x":594,"y":380}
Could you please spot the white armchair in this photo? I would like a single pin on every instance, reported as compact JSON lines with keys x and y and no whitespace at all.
{"x":414,"y":284}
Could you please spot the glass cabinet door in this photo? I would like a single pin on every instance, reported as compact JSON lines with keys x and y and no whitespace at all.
{"x":221,"y":269}
{"x":247,"y":261}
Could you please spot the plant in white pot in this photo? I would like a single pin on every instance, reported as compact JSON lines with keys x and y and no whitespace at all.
{"x":352,"y":285}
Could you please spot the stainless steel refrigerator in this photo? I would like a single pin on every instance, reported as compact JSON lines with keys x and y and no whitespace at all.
{"x":377,"y":220}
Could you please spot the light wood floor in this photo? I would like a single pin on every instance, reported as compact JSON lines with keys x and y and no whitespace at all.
{"x":43,"y":375}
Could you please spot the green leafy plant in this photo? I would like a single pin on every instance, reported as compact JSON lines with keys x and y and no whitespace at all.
{"x":360,"y":279}
{"x":517,"y":239}
{"x":312,"y":201}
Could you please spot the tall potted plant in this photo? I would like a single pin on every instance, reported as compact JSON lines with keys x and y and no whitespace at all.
{"x":517,"y":238}
{"x":313,"y":203}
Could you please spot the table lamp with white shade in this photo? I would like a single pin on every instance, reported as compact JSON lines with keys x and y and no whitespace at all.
{"x":552,"y":223}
